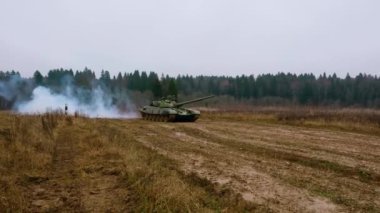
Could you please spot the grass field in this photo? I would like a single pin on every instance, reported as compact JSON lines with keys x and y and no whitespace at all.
{"x":261,"y":161}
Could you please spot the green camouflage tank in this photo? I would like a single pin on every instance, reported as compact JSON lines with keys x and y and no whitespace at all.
{"x":168,"y":110}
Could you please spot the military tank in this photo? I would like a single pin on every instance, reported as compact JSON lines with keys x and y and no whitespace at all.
{"x":168,"y":110}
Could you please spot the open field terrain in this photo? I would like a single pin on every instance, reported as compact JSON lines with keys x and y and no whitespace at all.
{"x":230,"y":162}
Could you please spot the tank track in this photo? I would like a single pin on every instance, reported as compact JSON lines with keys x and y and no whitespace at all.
{"x":158,"y":118}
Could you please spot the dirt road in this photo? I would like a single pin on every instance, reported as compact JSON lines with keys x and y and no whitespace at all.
{"x":283,"y":167}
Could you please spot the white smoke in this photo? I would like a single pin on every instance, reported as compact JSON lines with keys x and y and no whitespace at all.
{"x":100,"y":104}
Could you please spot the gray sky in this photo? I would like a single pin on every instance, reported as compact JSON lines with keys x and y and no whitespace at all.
{"x":210,"y":37}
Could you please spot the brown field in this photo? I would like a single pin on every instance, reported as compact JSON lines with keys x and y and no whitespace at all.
{"x":259,"y":161}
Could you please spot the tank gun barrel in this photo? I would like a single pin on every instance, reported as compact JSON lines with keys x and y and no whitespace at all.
{"x":192,"y":101}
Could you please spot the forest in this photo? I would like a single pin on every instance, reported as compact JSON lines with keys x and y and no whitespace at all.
{"x":267,"y":89}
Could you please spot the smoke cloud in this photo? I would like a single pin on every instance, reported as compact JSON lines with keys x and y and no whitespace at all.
{"x":100,"y":105}
{"x":96,"y":102}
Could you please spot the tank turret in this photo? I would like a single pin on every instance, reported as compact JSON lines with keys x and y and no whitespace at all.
{"x":167,"y":109}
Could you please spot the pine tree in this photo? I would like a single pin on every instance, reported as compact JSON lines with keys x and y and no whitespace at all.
{"x":172,"y":88}
{"x":38,"y":78}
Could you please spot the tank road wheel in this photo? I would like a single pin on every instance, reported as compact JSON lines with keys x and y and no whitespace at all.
{"x":166,"y":118}
{"x":163,"y":118}
{"x":171,"y":118}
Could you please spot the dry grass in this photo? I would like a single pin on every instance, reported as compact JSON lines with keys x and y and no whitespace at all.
{"x":261,"y":161}
{"x":103,"y":161}
{"x":350,"y":119}
{"x":26,"y":149}
{"x":153,"y":182}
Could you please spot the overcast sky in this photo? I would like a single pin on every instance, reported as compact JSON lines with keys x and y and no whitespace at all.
{"x":210,"y":37}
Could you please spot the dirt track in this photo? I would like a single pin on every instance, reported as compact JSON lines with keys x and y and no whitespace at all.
{"x":286,"y":168}
{"x":78,"y":182}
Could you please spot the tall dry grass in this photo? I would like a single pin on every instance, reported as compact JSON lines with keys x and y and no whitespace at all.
{"x":346,"y":119}
{"x":26,"y":149}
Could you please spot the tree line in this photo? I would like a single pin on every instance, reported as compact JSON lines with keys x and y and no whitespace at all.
{"x":305,"y":89}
